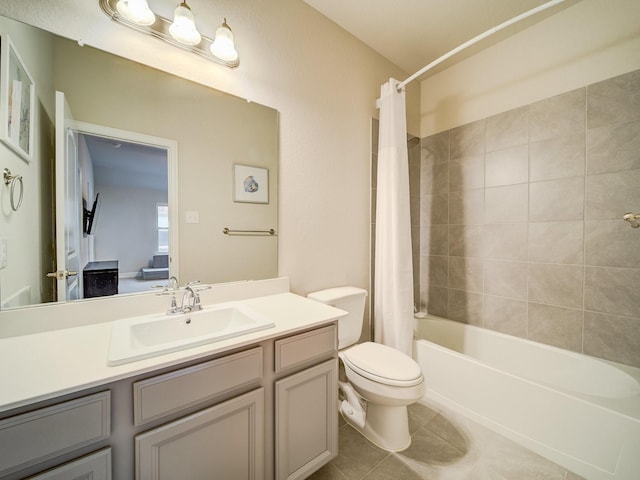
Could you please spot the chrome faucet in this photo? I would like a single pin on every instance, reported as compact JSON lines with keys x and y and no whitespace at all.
{"x":170,"y":289}
{"x":192,"y":297}
{"x":192,"y":305}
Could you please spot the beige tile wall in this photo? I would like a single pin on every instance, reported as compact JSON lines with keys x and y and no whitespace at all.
{"x":518,"y":225}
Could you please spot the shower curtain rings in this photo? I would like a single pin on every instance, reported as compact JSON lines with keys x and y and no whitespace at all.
{"x":13,"y":180}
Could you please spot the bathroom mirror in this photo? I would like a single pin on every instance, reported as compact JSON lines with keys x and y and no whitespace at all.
{"x":215,"y":135}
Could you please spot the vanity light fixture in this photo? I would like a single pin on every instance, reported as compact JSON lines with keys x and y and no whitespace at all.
{"x":136,"y":11}
{"x":181,"y":32}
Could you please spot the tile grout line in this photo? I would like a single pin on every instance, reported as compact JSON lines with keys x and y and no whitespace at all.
{"x":440,"y":436}
{"x":376,"y":465}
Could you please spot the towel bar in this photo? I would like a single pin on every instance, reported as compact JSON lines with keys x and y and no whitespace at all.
{"x":228,"y":231}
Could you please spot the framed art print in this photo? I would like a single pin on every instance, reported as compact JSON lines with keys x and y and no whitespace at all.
{"x":17,"y":101}
{"x":250,"y":184}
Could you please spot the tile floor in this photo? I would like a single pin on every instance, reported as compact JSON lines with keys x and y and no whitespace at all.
{"x":445,"y":446}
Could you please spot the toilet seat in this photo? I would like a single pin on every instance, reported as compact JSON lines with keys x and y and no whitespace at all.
{"x":382,"y":364}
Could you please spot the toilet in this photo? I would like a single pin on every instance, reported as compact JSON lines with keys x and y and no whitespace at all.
{"x":382,"y":381}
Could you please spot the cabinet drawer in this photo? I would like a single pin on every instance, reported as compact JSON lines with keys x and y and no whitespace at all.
{"x":36,"y":436}
{"x":299,"y":349}
{"x":96,"y":466}
{"x":172,"y":392}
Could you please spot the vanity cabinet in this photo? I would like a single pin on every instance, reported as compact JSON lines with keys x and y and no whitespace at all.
{"x":306,"y":403}
{"x":289,"y":415}
{"x":259,"y":412}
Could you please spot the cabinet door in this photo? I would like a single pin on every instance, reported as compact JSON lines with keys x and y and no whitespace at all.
{"x":306,"y":421}
{"x":225,"y":441}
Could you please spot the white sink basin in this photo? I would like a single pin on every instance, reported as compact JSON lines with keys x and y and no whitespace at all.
{"x":150,"y":335}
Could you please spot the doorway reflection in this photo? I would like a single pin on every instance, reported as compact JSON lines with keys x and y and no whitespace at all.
{"x":130,"y":228}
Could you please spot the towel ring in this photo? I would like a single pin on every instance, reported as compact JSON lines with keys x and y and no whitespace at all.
{"x":13,"y":181}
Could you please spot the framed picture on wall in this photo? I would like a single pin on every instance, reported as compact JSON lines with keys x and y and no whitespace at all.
{"x":250,"y":184}
{"x":17,"y":101}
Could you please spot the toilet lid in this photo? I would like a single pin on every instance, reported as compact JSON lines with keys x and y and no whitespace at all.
{"x":383,"y":364}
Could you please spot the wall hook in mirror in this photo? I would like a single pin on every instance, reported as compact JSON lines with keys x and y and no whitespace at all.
{"x":13,"y":180}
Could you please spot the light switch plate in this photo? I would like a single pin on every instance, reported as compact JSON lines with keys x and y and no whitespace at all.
{"x":192,"y":217}
{"x":3,"y":253}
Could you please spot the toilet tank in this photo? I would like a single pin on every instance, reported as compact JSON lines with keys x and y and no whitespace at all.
{"x":351,"y":300}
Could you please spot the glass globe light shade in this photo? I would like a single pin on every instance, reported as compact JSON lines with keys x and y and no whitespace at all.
{"x":183,"y":29}
{"x":136,"y":11}
{"x":223,"y":46}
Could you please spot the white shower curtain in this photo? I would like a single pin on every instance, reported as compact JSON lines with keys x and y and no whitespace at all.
{"x":393,"y":289}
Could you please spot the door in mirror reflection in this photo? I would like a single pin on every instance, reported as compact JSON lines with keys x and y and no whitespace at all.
{"x":114,"y":209}
{"x":68,"y":205}
{"x":131,"y":225}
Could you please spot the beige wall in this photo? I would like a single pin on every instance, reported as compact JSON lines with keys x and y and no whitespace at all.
{"x":324,"y":84}
{"x":126,"y":227}
{"x":588,"y":42}
{"x":28,"y":235}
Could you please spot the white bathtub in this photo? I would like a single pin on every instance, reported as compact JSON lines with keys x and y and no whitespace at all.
{"x":575,"y":410}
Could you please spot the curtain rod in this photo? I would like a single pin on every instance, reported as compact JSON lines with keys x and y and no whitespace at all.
{"x":476,"y":39}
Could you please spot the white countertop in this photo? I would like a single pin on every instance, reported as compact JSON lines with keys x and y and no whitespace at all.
{"x":45,"y":365}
